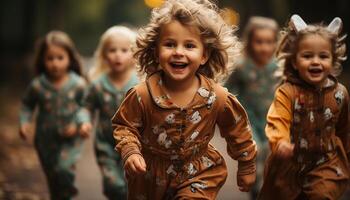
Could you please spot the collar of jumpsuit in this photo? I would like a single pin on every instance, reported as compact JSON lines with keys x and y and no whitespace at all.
{"x":331,"y":83}
{"x":205,"y":95}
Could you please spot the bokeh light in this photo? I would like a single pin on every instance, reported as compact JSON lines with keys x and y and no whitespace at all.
{"x":230,"y":16}
{"x":154,"y":3}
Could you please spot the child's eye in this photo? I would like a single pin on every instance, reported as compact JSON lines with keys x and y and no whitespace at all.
{"x":125,"y":50}
{"x":111,"y":50}
{"x":190,"y":46}
{"x":60,"y":57}
{"x":307,"y":56}
{"x":169,"y":44}
{"x":324,"y":56}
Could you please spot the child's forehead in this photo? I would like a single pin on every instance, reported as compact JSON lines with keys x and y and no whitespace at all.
{"x":176,"y":28}
{"x":314,"y":38}
{"x":120,"y":40}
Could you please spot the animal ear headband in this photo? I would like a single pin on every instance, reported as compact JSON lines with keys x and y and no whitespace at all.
{"x":299,"y":24}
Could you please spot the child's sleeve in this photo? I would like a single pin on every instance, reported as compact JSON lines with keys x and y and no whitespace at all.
{"x":90,"y":100}
{"x":127,"y":124}
{"x":235,"y":128}
{"x":29,"y":102}
{"x":342,"y":126}
{"x":279,"y":117}
{"x":82,"y":115}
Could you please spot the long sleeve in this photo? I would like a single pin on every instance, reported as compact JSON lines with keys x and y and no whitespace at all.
{"x":82,"y":115}
{"x":127,"y":125}
{"x":235,"y":128}
{"x":29,"y":102}
{"x":90,"y":101}
{"x":342,"y":127}
{"x":279,"y":117}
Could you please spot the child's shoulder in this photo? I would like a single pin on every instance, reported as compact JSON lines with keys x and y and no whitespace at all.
{"x":78,"y":80}
{"x":340,"y":86}
{"x":36,"y":83}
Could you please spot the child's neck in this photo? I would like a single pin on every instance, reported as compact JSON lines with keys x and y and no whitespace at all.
{"x":58,"y":82}
{"x":119,"y":79}
{"x":181,"y":92}
{"x":259,"y":64}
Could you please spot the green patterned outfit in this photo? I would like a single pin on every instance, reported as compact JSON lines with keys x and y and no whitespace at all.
{"x":102,"y":97}
{"x":57,"y":110}
{"x":254,"y":87}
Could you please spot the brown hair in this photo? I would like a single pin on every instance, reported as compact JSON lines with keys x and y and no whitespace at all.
{"x":257,"y":23}
{"x":288,"y":47}
{"x":220,"y":43}
{"x":61,"y":39}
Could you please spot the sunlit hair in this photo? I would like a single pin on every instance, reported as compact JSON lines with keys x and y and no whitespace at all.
{"x":257,"y":23}
{"x":220,"y":43}
{"x":61,"y":39}
{"x":288,"y":47}
{"x":101,"y":66}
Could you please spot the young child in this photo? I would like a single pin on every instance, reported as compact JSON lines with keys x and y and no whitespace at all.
{"x":164,"y":125}
{"x":61,"y":122}
{"x":307,"y":123}
{"x":115,"y":76}
{"x":254,"y":83}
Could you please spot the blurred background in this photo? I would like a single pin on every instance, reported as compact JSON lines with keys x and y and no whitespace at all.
{"x":22,"y":22}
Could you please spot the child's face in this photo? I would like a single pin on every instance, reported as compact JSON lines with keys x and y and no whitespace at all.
{"x":56,"y":61}
{"x":180,"y":51}
{"x":263,"y":45}
{"x":314,"y":59}
{"x":118,"y":54}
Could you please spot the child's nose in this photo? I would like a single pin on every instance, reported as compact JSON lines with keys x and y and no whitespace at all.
{"x":315,"y":60}
{"x":179,"y":51}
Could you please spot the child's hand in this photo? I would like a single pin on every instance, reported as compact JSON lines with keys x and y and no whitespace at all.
{"x":70,"y":130}
{"x":85,"y":129}
{"x":135,"y":165}
{"x":24,"y":131}
{"x":245,"y":182}
{"x":285,"y":149}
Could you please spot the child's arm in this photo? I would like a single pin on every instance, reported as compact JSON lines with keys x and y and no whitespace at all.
{"x":279,"y":119}
{"x":343,"y":127}
{"x":127,"y":124}
{"x":83,"y":118}
{"x":29,"y":102}
{"x":235,"y":128}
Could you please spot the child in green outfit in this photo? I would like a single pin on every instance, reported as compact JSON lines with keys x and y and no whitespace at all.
{"x":112,"y":76}
{"x":61,"y":122}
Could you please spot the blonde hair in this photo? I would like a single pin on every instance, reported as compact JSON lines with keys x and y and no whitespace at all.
{"x":220,"y":43}
{"x":101,"y":66}
{"x":256,"y":23}
{"x":288,"y":47}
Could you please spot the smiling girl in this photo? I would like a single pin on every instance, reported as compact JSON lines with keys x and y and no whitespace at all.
{"x":164,"y":126}
{"x":307,"y":123}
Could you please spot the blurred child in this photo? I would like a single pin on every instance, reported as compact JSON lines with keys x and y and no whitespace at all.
{"x":254,"y":83}
{"x":308,"y":122}
{"x":57,"y":92}
{"x":114,"y":75}
{"x":164,"y":125}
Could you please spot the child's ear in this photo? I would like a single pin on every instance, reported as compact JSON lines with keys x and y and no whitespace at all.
{"x":205,"y":57}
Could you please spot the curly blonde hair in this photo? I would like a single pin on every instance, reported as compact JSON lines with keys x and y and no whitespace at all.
{"x":101,"y":66}
{"x":220,"y":43}
{"x":288,"y":46}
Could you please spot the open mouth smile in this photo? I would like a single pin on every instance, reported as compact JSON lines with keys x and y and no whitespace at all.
{"x":178,"y":65}
{"x":315,"y":71}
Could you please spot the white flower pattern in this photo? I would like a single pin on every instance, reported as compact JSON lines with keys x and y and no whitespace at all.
{"x":195,"y":118}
